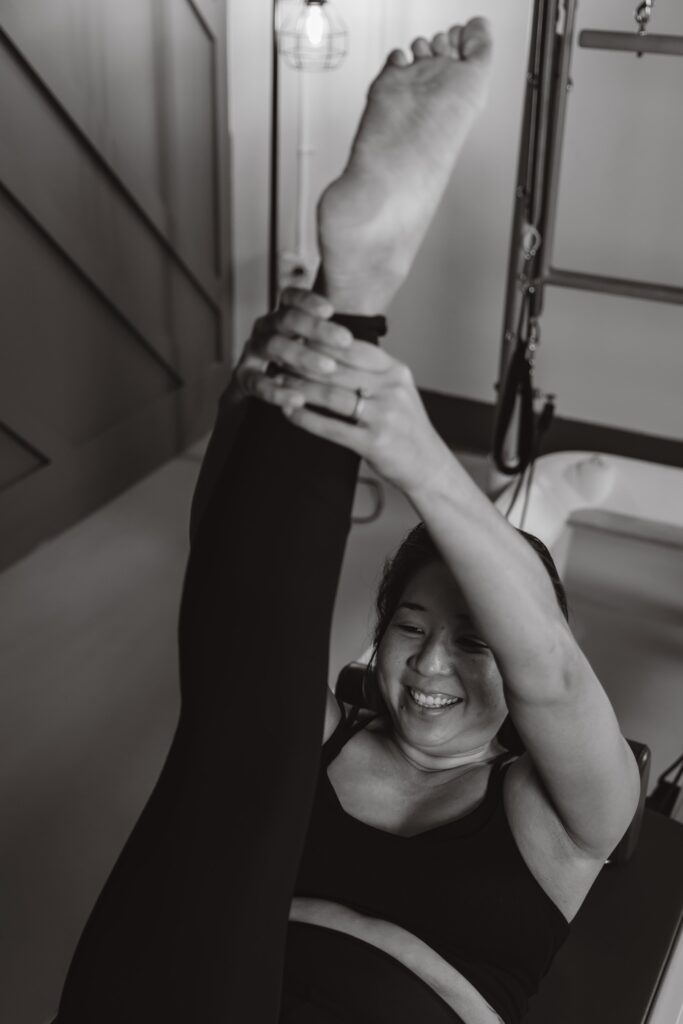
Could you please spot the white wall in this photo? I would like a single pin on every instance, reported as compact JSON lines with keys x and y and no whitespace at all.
{"x":612,"y":361}
{"x":249,"y":111}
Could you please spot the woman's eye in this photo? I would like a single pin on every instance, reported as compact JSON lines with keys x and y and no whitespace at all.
{"x":472,"y":643}
{"x":407,"y":627}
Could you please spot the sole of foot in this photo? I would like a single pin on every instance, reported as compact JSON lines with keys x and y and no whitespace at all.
{"x":373,"y":218}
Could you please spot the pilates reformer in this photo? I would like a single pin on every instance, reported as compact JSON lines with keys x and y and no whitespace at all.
{"x":624,"y":958}
{"x":642,"y":42}
{"x":530,"y":269}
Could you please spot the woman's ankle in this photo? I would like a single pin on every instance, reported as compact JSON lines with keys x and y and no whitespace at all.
{"x":353,"y":299}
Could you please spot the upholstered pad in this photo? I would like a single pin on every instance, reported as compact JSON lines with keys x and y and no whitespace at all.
{"x":610,"y":967}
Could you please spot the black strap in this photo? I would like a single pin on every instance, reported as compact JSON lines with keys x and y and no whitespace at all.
{"x":517,"y":387}
{"x":346,"y":728}
{"x":364,"y":328}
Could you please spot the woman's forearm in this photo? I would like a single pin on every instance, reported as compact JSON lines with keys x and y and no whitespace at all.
{"x":507,"y":589}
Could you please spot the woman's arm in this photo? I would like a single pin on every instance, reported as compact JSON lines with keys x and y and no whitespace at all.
{"x":556,"y":702}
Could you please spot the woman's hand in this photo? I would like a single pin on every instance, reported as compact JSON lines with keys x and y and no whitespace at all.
{"x":277,"y":340}
{"x":326,"y":374}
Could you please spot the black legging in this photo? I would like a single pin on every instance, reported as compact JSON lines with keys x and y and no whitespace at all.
{"x":192,"y":924}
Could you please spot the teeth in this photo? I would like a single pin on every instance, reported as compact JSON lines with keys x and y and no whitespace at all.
{"x":427,"y":701}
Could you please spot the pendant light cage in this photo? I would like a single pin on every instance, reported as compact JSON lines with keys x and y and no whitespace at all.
{"x":312,"y":36}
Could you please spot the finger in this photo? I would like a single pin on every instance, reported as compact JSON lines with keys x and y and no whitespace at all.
{"x":332,"y":399}
{"x":350,"y":435}
{"x":294,"y":356}
{"x":308,"y":301}
{"x":364,"y":367}
{"x":421,"y":48}
{"x":247,"y":363}
{"x":296,"y":323}
{"x":364,"y":357}
{"x":274,"y":390}
{"x":398,"y":59}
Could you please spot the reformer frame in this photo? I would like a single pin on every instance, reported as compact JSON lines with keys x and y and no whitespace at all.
{"x":530,"y":269}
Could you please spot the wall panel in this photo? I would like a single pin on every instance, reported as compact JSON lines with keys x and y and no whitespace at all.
{"x":94,"y":370}
{"x":16,"y":459}
{"x":114,"y":219}
{"x":191,"y":133}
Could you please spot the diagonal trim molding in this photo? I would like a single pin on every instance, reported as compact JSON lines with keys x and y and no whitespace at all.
{"x":468,"y":424}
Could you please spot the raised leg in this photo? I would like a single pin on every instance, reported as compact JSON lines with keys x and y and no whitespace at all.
{"x":373,"y":218}
{"x":191,"y":924}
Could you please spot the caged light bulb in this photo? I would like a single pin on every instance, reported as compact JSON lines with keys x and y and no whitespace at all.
{"x":312,"y":36}
{"x":314,"y":25}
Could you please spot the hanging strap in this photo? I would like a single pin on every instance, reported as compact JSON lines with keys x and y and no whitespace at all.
{"x":517,"y":387}
{"x":664,"y":796}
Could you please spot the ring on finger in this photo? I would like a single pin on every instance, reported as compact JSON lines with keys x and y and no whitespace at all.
{"x":361,"y":395}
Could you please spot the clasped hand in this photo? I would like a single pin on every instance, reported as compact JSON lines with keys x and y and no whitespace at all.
{"x":324,"y":373}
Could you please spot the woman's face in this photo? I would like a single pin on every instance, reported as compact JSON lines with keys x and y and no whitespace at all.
{"x":438,"y":678}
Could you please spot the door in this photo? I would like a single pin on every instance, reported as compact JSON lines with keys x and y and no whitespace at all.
{"x":114,"y":248}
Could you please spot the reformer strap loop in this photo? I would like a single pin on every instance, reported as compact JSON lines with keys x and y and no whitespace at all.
{"x":364,"y":328}
{"x":517,"y":386}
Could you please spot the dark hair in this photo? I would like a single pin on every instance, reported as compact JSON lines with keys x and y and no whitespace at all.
{"x":415,"y":552}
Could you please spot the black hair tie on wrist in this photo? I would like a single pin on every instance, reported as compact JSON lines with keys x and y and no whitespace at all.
{"x":364,"y":328}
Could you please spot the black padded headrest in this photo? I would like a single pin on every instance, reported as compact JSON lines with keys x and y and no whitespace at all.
{"x":350,"y":689}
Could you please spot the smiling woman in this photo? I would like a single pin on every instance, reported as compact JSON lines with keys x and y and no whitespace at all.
{"x":434,"y":873}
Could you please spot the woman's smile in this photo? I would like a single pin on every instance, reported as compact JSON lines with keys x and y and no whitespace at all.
{"x":431,"y":703}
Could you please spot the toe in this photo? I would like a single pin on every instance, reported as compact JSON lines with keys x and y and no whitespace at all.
{"x":421,"y":48}
{"x":454,"y":37}
{"x":441,"y":46}
{"x":398,"y":59}
{"x":475,"y":40}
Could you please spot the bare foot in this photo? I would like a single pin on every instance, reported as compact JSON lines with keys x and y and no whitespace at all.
{"x":372,"y":219}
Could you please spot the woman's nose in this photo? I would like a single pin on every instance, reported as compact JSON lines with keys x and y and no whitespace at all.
{"x":435,"y":658}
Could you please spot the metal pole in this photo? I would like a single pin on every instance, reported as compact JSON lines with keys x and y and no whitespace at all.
{"x":647,"y":290}
{"x":545,"y":103}
{"x":526,"y":162}
{"x":632,"y":42}
{"x":558,"y":117}
{"x":274,"y":244}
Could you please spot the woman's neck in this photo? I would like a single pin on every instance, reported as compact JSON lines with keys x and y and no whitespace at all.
{"x":426,"y":762}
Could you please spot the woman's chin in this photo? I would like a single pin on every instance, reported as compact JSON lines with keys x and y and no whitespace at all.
{"x":438,"y":724}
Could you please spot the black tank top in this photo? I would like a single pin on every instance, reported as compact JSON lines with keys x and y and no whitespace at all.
{"x":462,"y":887}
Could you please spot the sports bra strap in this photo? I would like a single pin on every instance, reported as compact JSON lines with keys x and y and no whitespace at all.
{"x":346,"y":727}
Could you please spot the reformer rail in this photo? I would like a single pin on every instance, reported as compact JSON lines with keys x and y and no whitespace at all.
{"x":628,"y":42}
{"x":530,"y":269}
